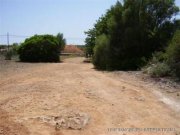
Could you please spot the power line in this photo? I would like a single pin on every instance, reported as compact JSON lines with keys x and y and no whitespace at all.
{"x":6,"y":38}
{"x":3,"y":35}
{"x":18,"y":36}
{"x":25,"y":36}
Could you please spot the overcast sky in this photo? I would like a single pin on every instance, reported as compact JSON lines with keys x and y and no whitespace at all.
{"x":23,"y":18}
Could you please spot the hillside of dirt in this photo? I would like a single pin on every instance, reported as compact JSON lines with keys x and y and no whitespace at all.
{"x":72,"y":98}
{"x":72,"y":49}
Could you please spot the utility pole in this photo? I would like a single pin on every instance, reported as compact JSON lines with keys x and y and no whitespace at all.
{"x":8,"y":40}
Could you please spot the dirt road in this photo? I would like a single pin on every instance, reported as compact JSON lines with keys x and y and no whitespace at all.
{"x":31,"y":95}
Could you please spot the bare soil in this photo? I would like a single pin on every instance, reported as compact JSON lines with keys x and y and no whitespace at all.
{"x":33,"y":95}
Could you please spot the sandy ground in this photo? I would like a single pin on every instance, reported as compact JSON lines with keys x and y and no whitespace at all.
{"x":30,"y":93}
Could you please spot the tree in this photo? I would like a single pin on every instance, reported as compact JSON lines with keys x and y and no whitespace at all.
{"x":90,"y":42}
{"x":158,"y":22}
{"x":177,"y":24}
{"x":100,"y":52}
{"x":135,"y":30}
{"x":61,"y":40}
{"x":40,"y":48}
{"x":173,"y":54}
{"x":99,"y":28}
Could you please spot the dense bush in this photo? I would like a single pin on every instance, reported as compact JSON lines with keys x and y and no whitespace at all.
{"x":158,"y":69}
{"x":168,"y":62}
{"x":90,"y":42}
{"x":100,"y":52}
{"x":135,"y":30}
{"x":157,"y":66}
{"x":40,"y":48}
{"x":173,"y":54}
{"x":61,"y":40}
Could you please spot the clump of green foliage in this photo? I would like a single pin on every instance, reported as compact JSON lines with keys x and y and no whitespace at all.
{"x":90,"y":42}
{"x":157,"y":66}
{"x":173,"y":54}
{"x":158,"y":70}
{"x":135,"y":30}
{"x":166,"y":63}
{"x":61,"y":40}
{"x":100,"y":52}
{"x":40,"y":48}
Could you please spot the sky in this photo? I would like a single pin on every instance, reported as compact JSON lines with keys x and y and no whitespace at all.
{"x":24,"y":18}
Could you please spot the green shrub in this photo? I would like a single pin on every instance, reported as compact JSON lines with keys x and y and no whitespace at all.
{"x":157,"y":66}
{"x":158,"y":70}
{"x":40,"y":48}
{"x":158,"y":57}
{"x":135,"y":29}
{"x":100,"y":52}
{"x":173,"y":54}
{"x":61,"y":40}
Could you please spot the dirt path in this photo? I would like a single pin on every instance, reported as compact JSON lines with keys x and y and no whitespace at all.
{"x":31,"y":94}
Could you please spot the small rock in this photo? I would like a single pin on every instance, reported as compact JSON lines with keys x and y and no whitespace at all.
{"x":140,"y":99}
{"x":75,"y":121}
{"x":178,"y":94}
{"x":57,"y":127}
{"x":69,"y":120}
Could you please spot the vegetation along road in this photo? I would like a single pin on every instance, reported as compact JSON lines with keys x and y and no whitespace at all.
{"x":72,"y":98}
